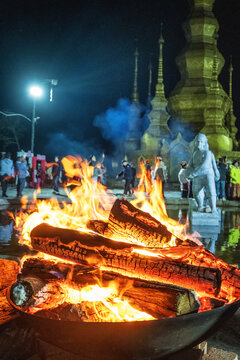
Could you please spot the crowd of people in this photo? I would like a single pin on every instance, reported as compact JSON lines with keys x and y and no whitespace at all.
{"x":227,"y":186}
{"x":23,"y":174}
{"x":148,"y":175}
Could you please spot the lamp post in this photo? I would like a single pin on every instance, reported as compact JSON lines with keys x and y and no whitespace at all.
{"x":36,"y":92}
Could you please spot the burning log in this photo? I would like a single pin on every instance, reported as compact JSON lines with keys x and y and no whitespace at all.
{"x":156,"y":299}
{"x":35,"y":292}
{"x":8,"y":272}
{"x":98,"y":226}
{"x":125,"y":220}
{"x":84,"y":311}
{"x":52,"y":270}
{"x":210,"y":303}
{"x":118,"y":257}
{"x":128,"y":222}
{"x":198,"y":256}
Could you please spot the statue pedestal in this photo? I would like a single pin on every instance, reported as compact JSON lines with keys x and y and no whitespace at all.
{"x":204,"y":219}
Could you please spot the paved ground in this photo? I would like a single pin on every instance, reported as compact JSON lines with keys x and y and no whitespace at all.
{"x":172,"y":197}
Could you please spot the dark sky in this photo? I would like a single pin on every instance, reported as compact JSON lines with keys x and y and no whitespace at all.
{"x":88,"y":46}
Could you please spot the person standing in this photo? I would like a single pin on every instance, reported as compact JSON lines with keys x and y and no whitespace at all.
{"x":235,"y":181}
{"x":161,"y":173}
{"x":228,"y":181}
{"x":134,"y":172}
{"x":221,"y":184}
{"x":148,"y":171}
{"x":184,"y":182}
{"x":101,"y":174}
{"x":127,"y":175}
{"x":22,"y":172}
{"x":56,"y":171}
{"x":92,"y":160}
{"x":6,"y":172}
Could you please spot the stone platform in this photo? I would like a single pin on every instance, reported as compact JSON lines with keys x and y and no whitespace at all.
{"x":204,"y":219}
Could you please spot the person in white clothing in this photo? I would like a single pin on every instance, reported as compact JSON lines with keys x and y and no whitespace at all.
{"x":184,"y":182}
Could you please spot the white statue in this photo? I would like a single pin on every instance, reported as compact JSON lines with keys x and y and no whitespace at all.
{"x":203,"y":171}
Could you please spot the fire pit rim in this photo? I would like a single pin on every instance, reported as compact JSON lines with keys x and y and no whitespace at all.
{"x":153,"y":339}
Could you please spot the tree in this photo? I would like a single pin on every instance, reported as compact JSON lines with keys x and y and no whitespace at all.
{"x":12,"y":130}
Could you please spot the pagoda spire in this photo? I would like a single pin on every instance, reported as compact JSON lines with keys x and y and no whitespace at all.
{"x":150,"y":80}
{"x":135,"y":96}
{"x":230,"y":83}
{"x":231,"y":119}
{"x":158,"y":130}
{"x":160,"y":86}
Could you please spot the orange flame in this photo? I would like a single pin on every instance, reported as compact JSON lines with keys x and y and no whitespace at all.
{"x":91,"y":200}
{"x":154,"y":203}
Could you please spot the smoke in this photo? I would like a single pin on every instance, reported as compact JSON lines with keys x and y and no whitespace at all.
{"x":116,"y":123}
{"x":62,"y":145}
{"x":176,"y":125}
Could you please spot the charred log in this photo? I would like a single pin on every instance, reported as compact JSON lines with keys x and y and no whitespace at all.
{"x":199,"y":256}
{"x":84,"y":311}
{"x":128,"y":222}
{"x":8,"y":272}
{"x":208,"y":303}
{"x":119,"y":258}
{"x":51,"y":270}
{"x":35,"y":292}
{"x":156,"y":299}
{"x":98,"y":226}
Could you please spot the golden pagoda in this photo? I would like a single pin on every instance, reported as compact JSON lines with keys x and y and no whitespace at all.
{"x":198,"y":101}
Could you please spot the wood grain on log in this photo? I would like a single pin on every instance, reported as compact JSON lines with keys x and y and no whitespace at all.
{"x":199,"y":256}
{"x":159,"y":300}
{"x":34,"y":292}
{"x":9,"y":270}
{"x":50,"y":270}
{"x":73,"y":245}
{"x":154,"y":298}
{"x":127,"y":221}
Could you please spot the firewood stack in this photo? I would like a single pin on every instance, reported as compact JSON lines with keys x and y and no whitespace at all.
{"x":160,"y":280}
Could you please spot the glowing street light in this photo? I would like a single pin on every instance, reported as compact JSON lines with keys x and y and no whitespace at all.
{"x":36,"y":92}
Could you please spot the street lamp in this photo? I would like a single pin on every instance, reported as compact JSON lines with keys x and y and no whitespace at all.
{"x":35,"y":92}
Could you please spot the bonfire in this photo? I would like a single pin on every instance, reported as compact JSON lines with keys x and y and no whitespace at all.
{"x":99,"y":258}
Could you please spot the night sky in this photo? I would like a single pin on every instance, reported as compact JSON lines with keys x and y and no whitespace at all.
{"x":88,"y":46}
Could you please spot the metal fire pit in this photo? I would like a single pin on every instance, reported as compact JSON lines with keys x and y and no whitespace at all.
{"x":138,"y":340}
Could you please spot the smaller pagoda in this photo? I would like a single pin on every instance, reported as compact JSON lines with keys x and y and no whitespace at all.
{"x":158,"y":129}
